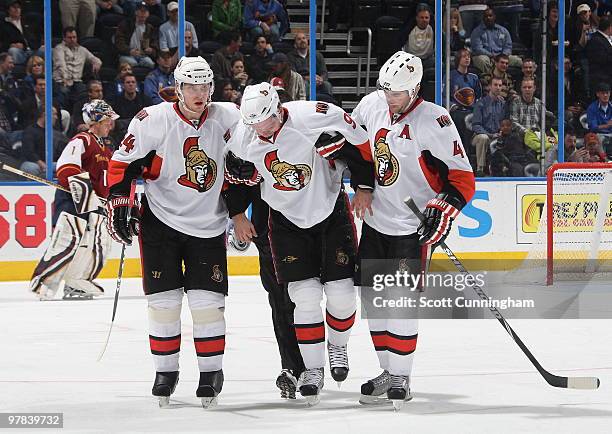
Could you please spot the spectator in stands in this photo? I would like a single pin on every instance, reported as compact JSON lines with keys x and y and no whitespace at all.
{"x":575,"y":97}
{"x":168,"y":32}
{"x":106,"y":6}
{"x":160,"y":77}
{"x":9,"y":96}
{"x":128,"y":103}
{"x":595,"y":151}
{"x":81,"y":13}
{"x":69,"y":59}
{"x":552,"y":35}
{"x":279,"y":85}
{"x":240,"y":77}
{"x":465,"y":90}
{"x":156,"y":8}
{"x":490,"y":39}
{"x":136,"y":40}
{"x":33,"y":151}
{"x":32,"y":101}
{"x":599,"y":114}
{"x":221,"y":62}
{"x":225,"y":92}
{"x":526,"y":110}
{"x":112,"y":90}
{"x":190,"y":50}
{"x":486,"y":122}
{"x":509,"y":155}
{"x":457,"y":34}
{"x":570,"y":154}
{"x":500,"y":70}
{"x":35,"y":67}
{"x":265,"y":17}
{"x":258,"y":62}
{"x":226,"y":16}
{"x":580,"y":28}
{"x":94,"y":91}
{"x":299,"y":58}
{"x":294,"y":83}
{"x":13,"y":37}
{"x":7,"y":81}
{"x":421,"y":37}
{"x":528,"y":70}
{"x":471,"y":14}
{"x":599,"y":53}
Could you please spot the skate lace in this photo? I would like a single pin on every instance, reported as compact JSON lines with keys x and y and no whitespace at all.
{"x":399,"y":381}
{"x":381,"y":379}
{"x":338,"y":357}
{"x":312,"y":376}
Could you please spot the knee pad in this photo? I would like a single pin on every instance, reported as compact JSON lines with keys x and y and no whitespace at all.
{"x":341,"y":297}
{"x":206,"y":307}
{"x":306,"y":294}
{"x":165,"y":307}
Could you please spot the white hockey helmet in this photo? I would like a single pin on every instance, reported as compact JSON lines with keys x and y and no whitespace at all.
{"x":193,"y":70}
{"x":259,"y":102}
{"x":98,"y":110}
{"x":401,"y":72}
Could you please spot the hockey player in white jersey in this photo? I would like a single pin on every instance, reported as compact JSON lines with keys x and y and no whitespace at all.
{"x":311,"y":225}
{"x":178,"y":149}
{"x":418,"y":152}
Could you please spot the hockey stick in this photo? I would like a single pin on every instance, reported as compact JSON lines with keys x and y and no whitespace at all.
{"x":39,"y":179}
{"x":553,"y":380}
{"x":119,"y":276}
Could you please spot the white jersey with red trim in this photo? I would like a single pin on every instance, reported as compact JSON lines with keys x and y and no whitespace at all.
{"x":185,"y":162}
{"x":418,"y":153}
{"x":297,"y":181}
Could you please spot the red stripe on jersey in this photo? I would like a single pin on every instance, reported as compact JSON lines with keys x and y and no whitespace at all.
{"x":463,"y":181}
{"x":340,"y":325}
{"x":365,"y":151}
{"x":65,"y":171}
{"x":165,"y":344}
{"x":207,"y":346}
{"x":116,"y":170}
{"x":310,"y":333}
{"x":152,"y":172}
{"x":431,"y":175}
{"x":401,"y":344}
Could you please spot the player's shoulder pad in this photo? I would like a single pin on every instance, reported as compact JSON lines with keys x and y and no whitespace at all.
{"x":433,"y":114}
{"x":224,"y":111}
{"x":154,"y":113}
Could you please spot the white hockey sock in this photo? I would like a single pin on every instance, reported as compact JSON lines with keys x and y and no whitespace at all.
{"x":207,"y":311}
{"x":340,"y":310}
{"x":165,"y":329}
{"x":308,"y":320}
{"x":378,"y":332}
{"x":401,"y":338}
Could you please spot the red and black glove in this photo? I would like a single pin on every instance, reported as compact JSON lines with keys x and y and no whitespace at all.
{"x":328,"y":144}
{"x":439,"y":215}
{"x":123,"y":221}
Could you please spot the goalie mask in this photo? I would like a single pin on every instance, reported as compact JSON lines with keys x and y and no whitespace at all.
{"x":98,"y":110}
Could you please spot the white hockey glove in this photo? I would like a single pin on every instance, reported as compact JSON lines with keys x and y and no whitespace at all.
{"x":83,"y":195}
{"x":439,"y":215}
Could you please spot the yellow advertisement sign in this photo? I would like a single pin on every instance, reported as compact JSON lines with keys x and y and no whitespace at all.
{"x":571,"y":212}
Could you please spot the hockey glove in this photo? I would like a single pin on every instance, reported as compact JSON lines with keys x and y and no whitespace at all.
{"x":123,"y":221}
{"x":328,"y":143}
{"x":238,"y":171}
{"x":439,"y":215}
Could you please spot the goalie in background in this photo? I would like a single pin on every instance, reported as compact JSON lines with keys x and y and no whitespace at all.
{"x":79,"y":242}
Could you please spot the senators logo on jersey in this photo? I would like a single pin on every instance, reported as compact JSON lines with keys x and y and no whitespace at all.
{"x":200,"y":170}
{"x":385,"y":163}
{"x":288,"y":176}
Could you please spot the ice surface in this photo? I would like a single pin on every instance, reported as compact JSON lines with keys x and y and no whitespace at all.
{"x":469,"y":376}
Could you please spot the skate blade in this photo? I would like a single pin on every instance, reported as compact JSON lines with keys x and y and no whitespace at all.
{"x":399,"y":403}
{"x":374,"y":399}
{"x":339,"y":383}
{"x":209,"y":402}
{"x":312,"y":400}
{"x":163,"y":401}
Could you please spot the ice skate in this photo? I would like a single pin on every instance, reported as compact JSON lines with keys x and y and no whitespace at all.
{"x":287,"y":383}
{"x":209,"y":388}
{"x":374,"y":391}
{"x":71,"y":293}
{"x":399,"y":392}
{"x":165,"y":383}
{"x":310,"y":385}
{"x":338,"y":362}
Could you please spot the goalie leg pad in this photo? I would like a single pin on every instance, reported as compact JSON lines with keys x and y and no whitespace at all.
{"x":65,"y":241}
{"x":83,"y":194}
{"x":89,"y":257}
{"x":207,"y":310}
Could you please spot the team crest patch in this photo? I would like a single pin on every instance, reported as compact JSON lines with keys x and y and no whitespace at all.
{"x":141,"y":115}
{"x":444,"y":121}
{"x":403,"y":266}
{"x":385,"y":163}
{"x":288,"y":177}
{"x":289,"y":259}
{"x":321,"y":107}
{"x":200,"y":170}
{"x":217,"y":275}
{"x":341,"y":257}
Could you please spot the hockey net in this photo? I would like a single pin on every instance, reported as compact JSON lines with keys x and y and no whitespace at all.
{"x":574,"y":239}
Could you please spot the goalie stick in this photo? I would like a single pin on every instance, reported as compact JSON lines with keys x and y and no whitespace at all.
{"x":552,"y":379}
